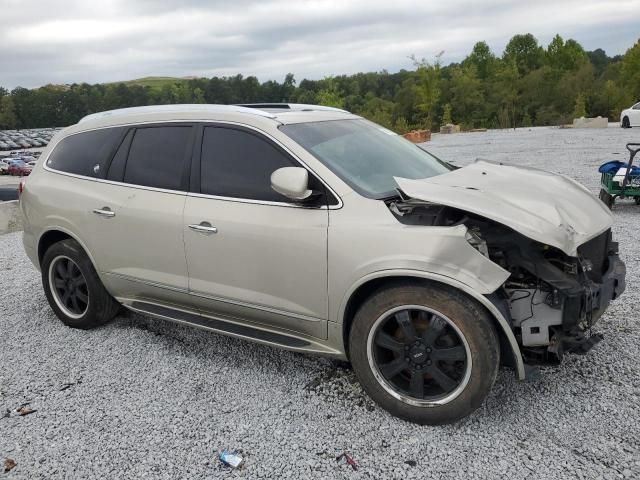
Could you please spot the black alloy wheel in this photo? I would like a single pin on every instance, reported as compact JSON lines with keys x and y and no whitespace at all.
{"x":421,"y":355}
{"x":69,"y":287}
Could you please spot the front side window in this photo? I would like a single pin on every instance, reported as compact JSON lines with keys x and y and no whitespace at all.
{"x":157,"y":157}
{"x":364,"y":155}
{"x":236,"y":163}
{"x":85,"y":153}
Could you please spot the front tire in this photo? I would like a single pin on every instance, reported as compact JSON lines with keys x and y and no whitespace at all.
{"x":424,"y":352}
{"x":626,"y":123}
{"x":73,"y":288}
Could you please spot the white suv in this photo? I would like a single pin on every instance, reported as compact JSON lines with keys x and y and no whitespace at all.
{"x":312,"y":229}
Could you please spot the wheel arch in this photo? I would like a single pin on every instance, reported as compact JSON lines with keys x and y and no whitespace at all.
{"x":57,"y":234}
{"x":369,"y":284}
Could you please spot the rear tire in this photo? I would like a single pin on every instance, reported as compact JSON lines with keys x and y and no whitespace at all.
{"x":73,"y":288}
{"x":433,"y":335}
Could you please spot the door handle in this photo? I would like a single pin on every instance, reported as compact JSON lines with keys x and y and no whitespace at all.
{"x":104,"y":212}
{"x":204,"y":228}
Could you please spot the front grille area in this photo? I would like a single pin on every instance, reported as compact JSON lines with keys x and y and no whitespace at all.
{"x":597,"y":251}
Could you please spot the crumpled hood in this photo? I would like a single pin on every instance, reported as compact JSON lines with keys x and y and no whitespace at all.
{"x":546,"y":207}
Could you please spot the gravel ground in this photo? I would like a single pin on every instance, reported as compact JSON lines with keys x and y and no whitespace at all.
{"x":146,"y":398}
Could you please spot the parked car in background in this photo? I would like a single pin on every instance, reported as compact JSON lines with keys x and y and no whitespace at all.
{"x":3,"y":146}
{"x":19,"y":168}
{"x":630,"y":117}
{"x":4,"y":167}
{"x":29,"y":138}
{"x":312,"y":229}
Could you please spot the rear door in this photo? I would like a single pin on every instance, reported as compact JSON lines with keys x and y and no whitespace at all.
{"x":134,"y":219}
{"x":251,"y":253}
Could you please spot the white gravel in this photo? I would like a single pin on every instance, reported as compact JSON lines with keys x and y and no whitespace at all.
{"x":143,"y":398}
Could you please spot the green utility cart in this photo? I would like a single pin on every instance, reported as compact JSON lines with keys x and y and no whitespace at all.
{"x":620,"y":180}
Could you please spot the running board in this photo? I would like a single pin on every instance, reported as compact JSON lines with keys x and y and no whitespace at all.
{"x":229,"y":328}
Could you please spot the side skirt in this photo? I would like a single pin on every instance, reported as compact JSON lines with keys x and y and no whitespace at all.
{"x":230,"y":328}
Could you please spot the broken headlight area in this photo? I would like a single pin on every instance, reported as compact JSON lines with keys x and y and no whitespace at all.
{"x":552,"y":299}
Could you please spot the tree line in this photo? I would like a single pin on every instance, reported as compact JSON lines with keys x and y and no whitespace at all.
{"x":527,"y":85}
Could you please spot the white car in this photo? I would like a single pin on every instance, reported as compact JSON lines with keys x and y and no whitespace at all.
{"x":4,"y":167}
{"x":630,"y":117}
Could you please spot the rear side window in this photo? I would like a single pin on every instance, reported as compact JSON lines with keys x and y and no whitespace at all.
{"x":157,"y":157}
{"x":86,"y":153}
{"x":239,"y":164}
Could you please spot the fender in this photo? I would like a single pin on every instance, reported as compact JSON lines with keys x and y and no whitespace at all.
{"x":502,"y":321}
{"x":66,"y":231}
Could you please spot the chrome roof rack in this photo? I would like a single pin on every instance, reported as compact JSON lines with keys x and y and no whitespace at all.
{"x":182,"y":108}
{"x":298,"y":107}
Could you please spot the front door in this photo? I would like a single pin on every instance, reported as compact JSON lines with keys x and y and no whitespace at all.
{"x":252,"y":254}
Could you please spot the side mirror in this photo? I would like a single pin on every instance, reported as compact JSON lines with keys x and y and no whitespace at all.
{"x":292,"y":182}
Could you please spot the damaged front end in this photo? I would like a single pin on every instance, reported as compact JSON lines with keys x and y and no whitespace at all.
{"x":550,"y":299}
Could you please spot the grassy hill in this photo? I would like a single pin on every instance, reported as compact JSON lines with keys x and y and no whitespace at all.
{"x":156,"y":82}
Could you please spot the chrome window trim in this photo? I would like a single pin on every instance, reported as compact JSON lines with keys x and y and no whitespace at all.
{"x":112,"y":182}
{"x":193,"y":194}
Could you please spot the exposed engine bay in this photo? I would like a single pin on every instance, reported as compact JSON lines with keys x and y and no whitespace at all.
{"x":550,"y":299}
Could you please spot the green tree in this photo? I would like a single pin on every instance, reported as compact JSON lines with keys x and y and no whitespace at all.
{"x":599,"y":59}
{"x":630,"y":72}
{"x":467,"y":98}
{"x":330,"y":95}
{"x":525,"y":84}
{"x":8,"y":119}
{"x":198,"y":96}
{"x":524,"y":52}
{"x":427,"y":88}
{"x":483,"y":59}
{"x":563,"y":55}
{"x":446,"y":115}
{"x":579,"y":110}
{"x":401,"y":125}
{"x":503,"y":96}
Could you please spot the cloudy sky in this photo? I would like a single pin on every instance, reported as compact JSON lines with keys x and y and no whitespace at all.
{"x":55,"y":41}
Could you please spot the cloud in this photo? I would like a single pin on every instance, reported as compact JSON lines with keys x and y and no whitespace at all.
{"x":76,"y":41}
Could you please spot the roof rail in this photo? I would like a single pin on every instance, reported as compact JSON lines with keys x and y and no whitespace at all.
{"x":299,"y":107}
{"x":180,"y":108}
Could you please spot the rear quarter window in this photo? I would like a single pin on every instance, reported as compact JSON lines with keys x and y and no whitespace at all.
{"x":86,"y":153}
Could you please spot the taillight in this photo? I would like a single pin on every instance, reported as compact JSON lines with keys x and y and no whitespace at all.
{"x":20,"y":188}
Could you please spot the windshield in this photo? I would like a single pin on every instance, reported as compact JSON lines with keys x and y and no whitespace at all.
{"x":365,"y":155}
